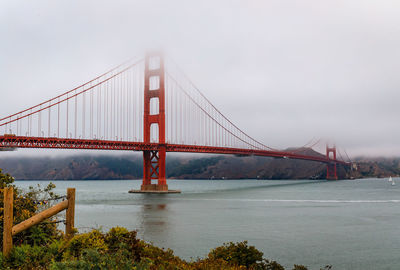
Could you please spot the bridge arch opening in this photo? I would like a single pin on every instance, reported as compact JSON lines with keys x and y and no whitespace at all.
{"x":154,"y":133}
{"x":154,"y":106}
{"x":154,"y":83}
{"x":154,"y":62}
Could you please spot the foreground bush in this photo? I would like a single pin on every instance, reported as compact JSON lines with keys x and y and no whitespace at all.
{"x":120,"y":249}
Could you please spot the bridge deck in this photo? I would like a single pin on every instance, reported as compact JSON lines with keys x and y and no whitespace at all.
{"x":60,"y":143}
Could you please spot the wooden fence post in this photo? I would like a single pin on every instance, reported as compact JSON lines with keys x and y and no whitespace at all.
{"x":70,"y":215}
{"x":8,"y":218}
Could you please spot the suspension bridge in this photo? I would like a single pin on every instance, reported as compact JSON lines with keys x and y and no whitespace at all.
{"x":146,"y":105}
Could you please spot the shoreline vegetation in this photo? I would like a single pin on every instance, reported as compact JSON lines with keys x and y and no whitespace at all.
{"x":45,"y":247}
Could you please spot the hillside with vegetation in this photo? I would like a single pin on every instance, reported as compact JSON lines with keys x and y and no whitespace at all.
{"x":112,"y":167}
{"x":377,"y":167}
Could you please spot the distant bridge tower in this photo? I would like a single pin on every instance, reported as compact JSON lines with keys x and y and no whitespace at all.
{"x":331,"y":167}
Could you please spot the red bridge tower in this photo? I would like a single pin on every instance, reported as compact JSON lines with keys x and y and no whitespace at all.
{"x":331,"y":168}
{"x":154,"y":93}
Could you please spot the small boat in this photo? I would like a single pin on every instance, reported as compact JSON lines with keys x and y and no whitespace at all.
{"x":393,"y":183}
{"x":390,"y":179}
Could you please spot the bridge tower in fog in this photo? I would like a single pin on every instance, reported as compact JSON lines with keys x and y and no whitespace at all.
{"x":331,"y":167}
{"x":154,"y":93}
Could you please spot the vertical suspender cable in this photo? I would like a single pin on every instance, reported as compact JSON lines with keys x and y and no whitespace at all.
{"x":40,"y":122}
{"x":98,"y":111}
{"x":121,"y":88}
{"x":112,"y":90}
{"x":176,"y":115}
{"x":91,"y":113}
{"x":105,"y":111}
{"x":133,"y":104}
{"x":58,"y":119}
{"x":84,"y":115}
{"x":66,"y":128}
{"x":76,"y":115}
{"x":48,"y":131}
{"x":127,"y":108}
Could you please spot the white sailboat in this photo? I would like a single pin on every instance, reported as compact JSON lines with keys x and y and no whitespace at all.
{"x":393,"y":183}
{"x":390,"y":179}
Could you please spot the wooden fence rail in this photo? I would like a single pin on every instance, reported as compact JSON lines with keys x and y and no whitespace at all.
{"x":9,"y":230}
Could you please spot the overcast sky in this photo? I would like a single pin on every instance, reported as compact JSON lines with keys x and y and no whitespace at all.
{"x":283,"y":71}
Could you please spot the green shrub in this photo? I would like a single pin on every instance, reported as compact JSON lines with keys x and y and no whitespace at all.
{"x":2,"y":261}
{"x":240,"y":254}
{"x":299,"y":267}
{"x":273,"y":265}
{"x":93,"y":240}
{"x":29,"y":257}
{"x":120,"y":249}
{"x":94,"y":259}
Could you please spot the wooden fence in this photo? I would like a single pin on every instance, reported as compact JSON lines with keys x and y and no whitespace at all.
{"x":9,"y":230}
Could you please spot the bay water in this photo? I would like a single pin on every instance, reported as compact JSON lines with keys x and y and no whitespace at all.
{"x":352,"y":224}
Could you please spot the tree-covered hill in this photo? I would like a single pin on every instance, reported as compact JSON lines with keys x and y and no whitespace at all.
{"x":110,"y":167}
